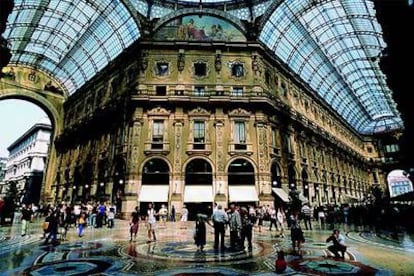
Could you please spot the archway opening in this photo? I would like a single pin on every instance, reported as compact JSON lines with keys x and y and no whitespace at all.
{"x":24,"y":151}
{"x":155,"y":184}
{"x":198,"y":194}
{"x":241,"y":182}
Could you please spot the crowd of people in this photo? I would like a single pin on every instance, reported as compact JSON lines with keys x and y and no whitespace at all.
{"x":238,"y":220}
{"x":58,"y":219}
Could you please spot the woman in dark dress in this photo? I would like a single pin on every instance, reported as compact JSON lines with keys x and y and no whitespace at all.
{"x":296,"y":235}
{"x":200,"y":231}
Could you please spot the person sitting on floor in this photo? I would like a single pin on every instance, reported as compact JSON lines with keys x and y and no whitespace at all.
{"x":338,"y":241}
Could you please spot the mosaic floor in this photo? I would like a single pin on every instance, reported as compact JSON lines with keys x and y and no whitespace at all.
{"x":108,"y":252}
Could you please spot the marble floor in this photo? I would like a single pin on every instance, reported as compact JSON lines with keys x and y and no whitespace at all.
{"x":109,"y":252}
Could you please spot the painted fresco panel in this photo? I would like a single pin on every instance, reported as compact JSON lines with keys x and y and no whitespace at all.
{"x":195,"y":28}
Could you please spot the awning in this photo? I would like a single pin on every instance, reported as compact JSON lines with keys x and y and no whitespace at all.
{"x":154,"y":193}
{"x":243,"y":194}
{"x":195,"y":193}
{"x":281,"y":194}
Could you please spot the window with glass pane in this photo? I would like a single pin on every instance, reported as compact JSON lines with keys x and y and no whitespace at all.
{"x":237,"y":70}
{"x":275,"y":147}
{"x":157,"y":134}
{"x":199,"y":135}
{"x":237,"y":91}
{"x":199,"y":91}
{"x":200,"y":69}
{"x":283,"y":88}
{"x":240,"y":135}
{"x":286,"y":143}
{"x":162,"y":69}
{"x":274,"y":144}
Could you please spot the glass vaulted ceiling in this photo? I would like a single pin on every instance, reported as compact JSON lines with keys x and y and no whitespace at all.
{"x":69,"y":39}
{"x":335,"y":46}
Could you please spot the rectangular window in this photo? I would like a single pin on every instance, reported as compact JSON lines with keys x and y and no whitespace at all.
{"x":161,"y":91}
{"x":286,"y":143}
{"x":240,"y":134}
{"x":274,"y":138}
{"x":237,"y":91}
{"x":162,"y":68}
{"x":199,"y":134}
{"x":200,"y":69}
{"x":157,"y":134}
{"x":199,"y":91}
{"x":237,"y":70}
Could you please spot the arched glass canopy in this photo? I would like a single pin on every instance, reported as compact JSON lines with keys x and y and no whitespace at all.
{"x":69,"y":39}
{"x":335,"y":46}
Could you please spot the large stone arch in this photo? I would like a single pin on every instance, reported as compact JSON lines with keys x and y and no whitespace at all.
{"x":20,"y":85}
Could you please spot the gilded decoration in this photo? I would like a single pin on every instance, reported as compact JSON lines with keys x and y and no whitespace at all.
{"x":199,"y":28}
{"x":199,"y":112}
{"x":160,"y":111}
{"x":239,"y":112}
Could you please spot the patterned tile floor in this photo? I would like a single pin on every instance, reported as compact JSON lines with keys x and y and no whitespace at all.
{"x":108,"y":252}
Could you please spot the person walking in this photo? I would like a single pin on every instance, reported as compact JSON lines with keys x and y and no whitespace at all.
{"x":280,"y":215}
{"x":81,"y":224}
{"x":26,"y":218}
{"x":235,"y":228}
{"x":219,"y":218}
{"x":184,"y":217}
{"x":247,"y":228}
{"x":53,"y":227}
{"x":307,"y":216}
{"x":296,"y":235}
{"x":134,"y":224}
{"x":273,"y":218}
{"x":163,"y":215}
{"x":200,"y":231}
{"x":151,"y":223}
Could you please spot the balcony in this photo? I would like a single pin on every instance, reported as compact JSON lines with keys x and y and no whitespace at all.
{"x":237,"y":148}
{"x":198,"y":148}
{"x":157,"y":147}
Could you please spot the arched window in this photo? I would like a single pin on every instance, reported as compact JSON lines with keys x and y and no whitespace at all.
{"x":156,"y":171}
{"x":276,"y":175}
{"x":199,"y":172}
{"x":241,"y":172}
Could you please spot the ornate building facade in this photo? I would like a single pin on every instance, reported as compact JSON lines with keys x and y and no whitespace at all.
{"x":27,"y":162}
{"x":204,"y":121}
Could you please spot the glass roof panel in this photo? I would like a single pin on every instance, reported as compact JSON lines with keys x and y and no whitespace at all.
{"x":334,"y":45}
{"x":70,"y":39}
